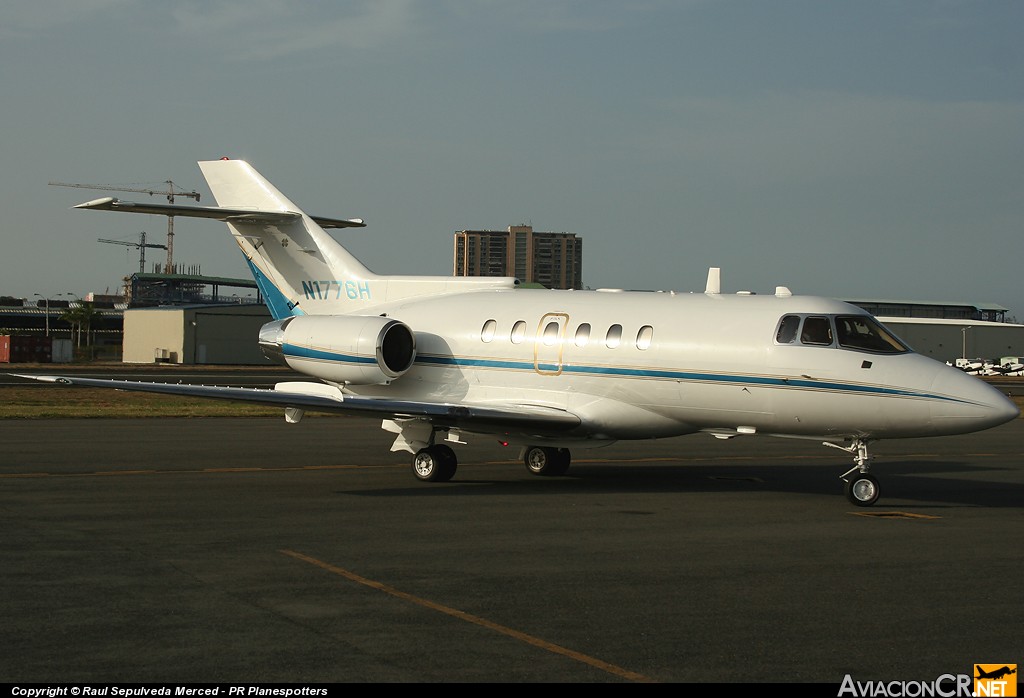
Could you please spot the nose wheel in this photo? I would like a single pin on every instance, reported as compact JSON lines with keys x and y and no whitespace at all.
{"x":861,"y":489}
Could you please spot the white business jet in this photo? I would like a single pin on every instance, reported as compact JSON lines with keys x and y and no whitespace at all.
{"x":444,"y":358}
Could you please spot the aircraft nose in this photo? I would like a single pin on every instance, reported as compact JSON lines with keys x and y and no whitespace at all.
{"x":969,"y":403}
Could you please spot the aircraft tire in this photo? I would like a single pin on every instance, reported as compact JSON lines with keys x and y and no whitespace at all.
{"x":862,"y":490}
{"x":546,"y":461}
{"x":435,"y":464}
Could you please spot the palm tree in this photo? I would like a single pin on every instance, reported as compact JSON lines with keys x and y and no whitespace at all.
{"x":81,"y":315}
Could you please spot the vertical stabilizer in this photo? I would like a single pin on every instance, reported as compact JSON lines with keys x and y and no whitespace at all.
{"x":293,"y":259}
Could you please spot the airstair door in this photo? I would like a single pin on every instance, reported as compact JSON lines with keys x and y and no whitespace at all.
{"x":547,"y":352}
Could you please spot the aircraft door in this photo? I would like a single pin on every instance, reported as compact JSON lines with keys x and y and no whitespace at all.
{"x":547,"y":348}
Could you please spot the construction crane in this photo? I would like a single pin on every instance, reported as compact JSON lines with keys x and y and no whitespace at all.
{"x":141,"y":245}
{"x":170,"y":194}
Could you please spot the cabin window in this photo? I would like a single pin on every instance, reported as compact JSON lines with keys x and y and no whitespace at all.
{"x":863,"y":333}
{"x":817,"y":331}
{"x":487,"y":331}
{"x":614,"y":336}
{"x":518,"y":332}
{"x":787,"y":329}
{"x":583,"y":334}
{"x":643,"y":337}
{"x":550,"y":334}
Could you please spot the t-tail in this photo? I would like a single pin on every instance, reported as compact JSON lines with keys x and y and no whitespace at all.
{"x":298,"y":267}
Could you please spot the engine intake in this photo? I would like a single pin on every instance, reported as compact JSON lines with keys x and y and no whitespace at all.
{"x":361,"y":350}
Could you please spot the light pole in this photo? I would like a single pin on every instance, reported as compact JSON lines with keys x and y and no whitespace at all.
{"x":963,"y":351}
{"x":47,"y":304}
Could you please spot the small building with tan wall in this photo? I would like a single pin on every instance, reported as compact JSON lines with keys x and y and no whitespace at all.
{"x":195,"y":334}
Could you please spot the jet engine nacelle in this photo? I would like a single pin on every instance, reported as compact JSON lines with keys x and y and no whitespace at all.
{"x":361,"y":350}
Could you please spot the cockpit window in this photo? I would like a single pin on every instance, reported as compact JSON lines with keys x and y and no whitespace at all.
{"x":856,"y":332}
{"x":817,"y":330}
{"x":863,"y":333}
{"x":787,"y":329}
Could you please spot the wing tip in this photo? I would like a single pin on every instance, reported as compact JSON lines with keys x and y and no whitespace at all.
{"x":103,"y":202}
{"x":43,"y":379}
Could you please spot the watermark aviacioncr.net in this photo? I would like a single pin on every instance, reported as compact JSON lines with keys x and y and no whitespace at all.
{"x":988,"y":681}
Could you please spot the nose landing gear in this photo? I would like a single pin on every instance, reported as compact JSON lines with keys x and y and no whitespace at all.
{"x":861,"y":489}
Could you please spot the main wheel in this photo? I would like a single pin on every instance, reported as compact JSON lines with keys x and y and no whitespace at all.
{"x":862,"y":490}
{"x":447,"y":454}
{"x":435,"y":464}
{"x":543,"y":460}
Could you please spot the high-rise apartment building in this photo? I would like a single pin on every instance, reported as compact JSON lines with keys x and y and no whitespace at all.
{"x":554,"y":260}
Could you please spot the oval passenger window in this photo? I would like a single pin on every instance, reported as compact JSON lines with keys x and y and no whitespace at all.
{"x":487,"y":331}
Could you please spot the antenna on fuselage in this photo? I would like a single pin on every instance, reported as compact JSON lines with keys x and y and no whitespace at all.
{"x":714,"y":286}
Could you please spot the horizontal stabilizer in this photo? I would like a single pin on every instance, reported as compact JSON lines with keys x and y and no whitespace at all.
{"x":228,"y":215}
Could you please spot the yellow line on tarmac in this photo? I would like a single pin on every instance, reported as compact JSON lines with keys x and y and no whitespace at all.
{"x":193,"y":471}
{"x":469,"y":618}
{"x":894,"y":515}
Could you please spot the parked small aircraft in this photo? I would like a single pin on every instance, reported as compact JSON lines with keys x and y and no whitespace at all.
{"x":1006,"y":366}
{"x":443,"y":358}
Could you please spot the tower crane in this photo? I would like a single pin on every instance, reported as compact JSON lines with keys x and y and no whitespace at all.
{"x":141,"y":245}
{"x":170,"y":193}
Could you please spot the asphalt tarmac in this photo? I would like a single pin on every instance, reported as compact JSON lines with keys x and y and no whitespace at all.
{"x":249,"y":550}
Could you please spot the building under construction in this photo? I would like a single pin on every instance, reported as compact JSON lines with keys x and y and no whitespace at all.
{"x":187,"y":287}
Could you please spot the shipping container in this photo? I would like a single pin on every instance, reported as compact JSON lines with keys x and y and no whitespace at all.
{"x":17,"y":349}
{"x":63,"y":351}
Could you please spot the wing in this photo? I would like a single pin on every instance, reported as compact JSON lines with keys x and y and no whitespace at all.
{"x":228,"y":215}
{"x":324,"y":398}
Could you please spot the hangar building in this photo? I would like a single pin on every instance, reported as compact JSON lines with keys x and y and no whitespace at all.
{"x":195,"y":334}
{"x":946,"y":331}
{"x":947,"y":340}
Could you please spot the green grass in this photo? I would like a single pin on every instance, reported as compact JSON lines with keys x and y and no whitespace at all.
{"x":62,"y":402}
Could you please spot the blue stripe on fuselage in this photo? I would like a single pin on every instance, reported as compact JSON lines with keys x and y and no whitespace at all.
{"x":623,"y":372}
{"x":689,"y":376}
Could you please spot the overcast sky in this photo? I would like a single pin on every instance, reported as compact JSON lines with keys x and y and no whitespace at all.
{"x":860,"y":149}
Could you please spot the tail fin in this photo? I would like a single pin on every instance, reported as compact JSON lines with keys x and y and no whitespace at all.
{"x":300,"y":269}
{"x":293,"y":260}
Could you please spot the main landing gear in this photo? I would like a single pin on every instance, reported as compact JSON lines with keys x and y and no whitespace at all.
{"x":436,"y":463}
{"x":861,"y":488}
{"x":547,"y":461}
